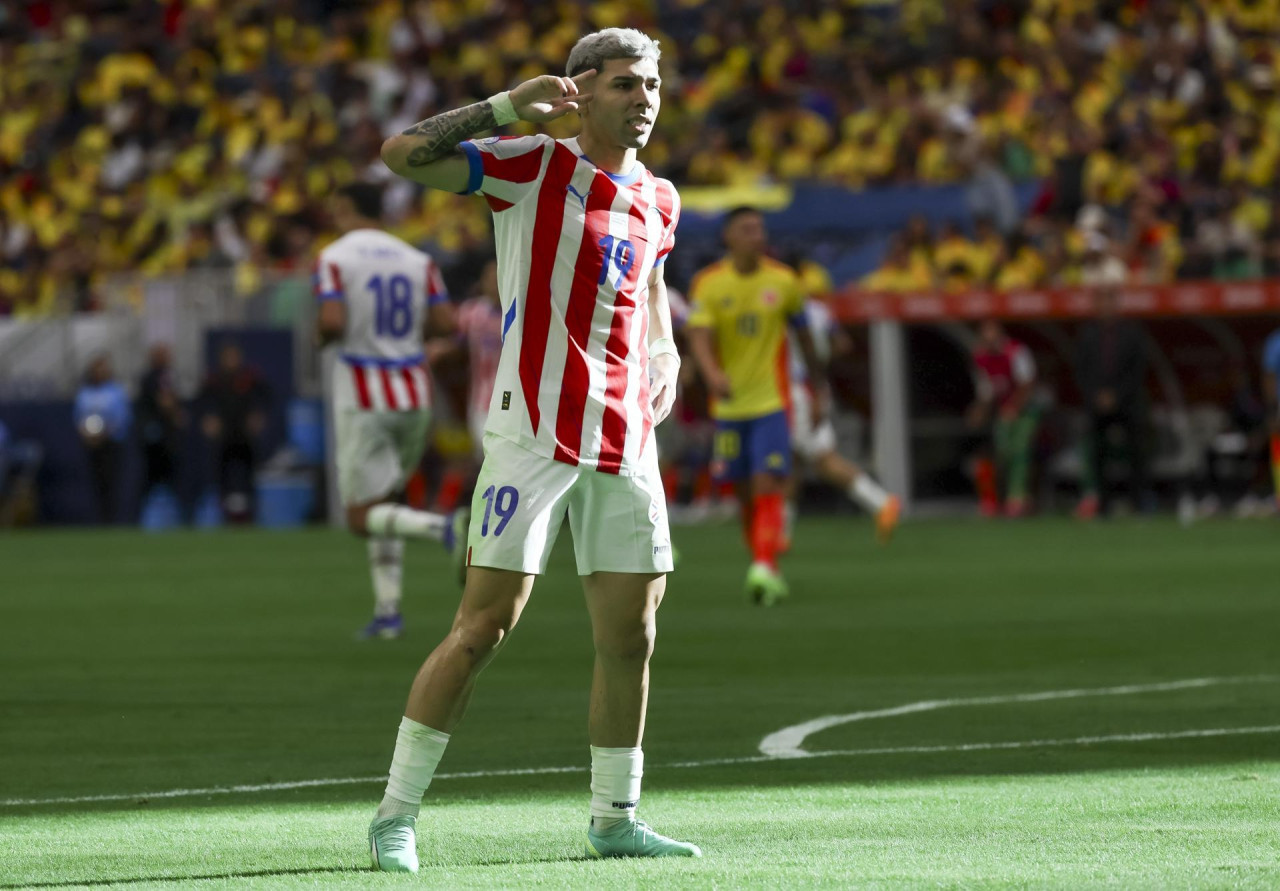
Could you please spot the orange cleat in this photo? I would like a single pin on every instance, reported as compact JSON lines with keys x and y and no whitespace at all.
{"x":887,"y":519}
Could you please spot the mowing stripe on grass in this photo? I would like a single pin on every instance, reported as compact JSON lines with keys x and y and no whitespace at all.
{"x":789,"y":741}
{"x":710,"y":762}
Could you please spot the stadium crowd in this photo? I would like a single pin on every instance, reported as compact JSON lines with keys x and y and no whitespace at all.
{"x":153,"y":137}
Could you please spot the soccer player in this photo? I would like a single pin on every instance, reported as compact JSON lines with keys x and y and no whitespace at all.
{"x":1008,"y":414}
{"x":480,"y":330}
{"x":379,"y":297}
{"x":1271,"y":387}
{"x":587,"y":368}
{"x":814,"y":439}
{"x":742,"y":306}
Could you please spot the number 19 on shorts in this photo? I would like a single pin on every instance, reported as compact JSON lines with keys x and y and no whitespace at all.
{"x":502,"y":502}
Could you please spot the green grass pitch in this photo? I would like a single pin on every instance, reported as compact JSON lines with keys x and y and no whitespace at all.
{"x":135,"y":669}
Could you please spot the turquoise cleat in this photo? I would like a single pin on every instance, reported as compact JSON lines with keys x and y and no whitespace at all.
{"x":393,"y":846}
{"x":634,"y":838}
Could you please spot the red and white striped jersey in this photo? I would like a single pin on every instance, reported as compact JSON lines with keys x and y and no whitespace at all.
{"x":821,"y":323}
{"x":480,"y":327}
{"x":575,"y":247}
{"x":387,"y":287}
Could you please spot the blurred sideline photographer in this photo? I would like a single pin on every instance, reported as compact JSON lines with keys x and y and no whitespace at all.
{"x":103,"y":418}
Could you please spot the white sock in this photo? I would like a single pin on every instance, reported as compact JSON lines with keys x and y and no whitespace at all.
{"x":615,"y":784}
{"x":867,"y":492}
{"x":386,"y":565}
{"x":418,"y":751}
{"x":405,"y":522}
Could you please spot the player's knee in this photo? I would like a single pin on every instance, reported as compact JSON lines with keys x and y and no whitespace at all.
{"x":480,"y":634}
{"x":630,"y":643}
{"x":358,"y":519}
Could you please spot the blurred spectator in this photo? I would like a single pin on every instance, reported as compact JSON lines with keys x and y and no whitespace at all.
{"x":151,"y":125}
{"x":1006,"y":415}
{"x":103,"y":419}
{"x":19,"y":464}
{"x":1111,"y":371}
{"x":160,"y":418}
{"x":1099,"y":266}
{"x":234,"y":402}
{"x":901,"y":271}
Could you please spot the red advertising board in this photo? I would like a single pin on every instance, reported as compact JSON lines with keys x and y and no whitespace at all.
{"x":1188,"y":299}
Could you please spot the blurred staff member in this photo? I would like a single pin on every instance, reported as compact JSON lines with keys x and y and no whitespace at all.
{"x":1006,"y":413}
{"x":1111,"y":368}
{"x":19,"y":464}
{"x":234,"y":401}
{"x":103,"y":417}
{"x":159,"y":419}
{"x":1271,"y":385}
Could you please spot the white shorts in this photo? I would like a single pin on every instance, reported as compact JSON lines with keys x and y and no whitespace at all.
{"x":377,"y":451}
{"x":809,"y":441}
{"x":476,"y":420}
{"x":619,"y":523}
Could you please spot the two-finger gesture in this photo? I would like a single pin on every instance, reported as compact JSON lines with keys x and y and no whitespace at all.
{"x":548,"y":97}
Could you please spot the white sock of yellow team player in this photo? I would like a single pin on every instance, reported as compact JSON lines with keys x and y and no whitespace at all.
{"x":405,"y":522}
{"x":386,"y":566}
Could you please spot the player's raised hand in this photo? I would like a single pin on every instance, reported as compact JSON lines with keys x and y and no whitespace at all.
{"x":549,"y":97}
{"x":663,"y":372}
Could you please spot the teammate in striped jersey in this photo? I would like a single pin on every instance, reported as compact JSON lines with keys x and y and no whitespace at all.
{"x":814,"y":439}
{"x":378,"y":297}
{"x":587,"y":368}
{"x":480,"y":330}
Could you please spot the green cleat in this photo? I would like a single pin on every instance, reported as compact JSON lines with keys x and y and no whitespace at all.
{"x":393,"y":846}
{"x":765,"y":586}
{"x":634,"y":838}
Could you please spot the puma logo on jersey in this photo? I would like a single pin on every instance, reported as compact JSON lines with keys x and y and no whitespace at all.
{"x":576,"y":194}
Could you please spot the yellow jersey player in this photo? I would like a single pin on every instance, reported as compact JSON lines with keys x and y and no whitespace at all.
{"x":742,"y":308}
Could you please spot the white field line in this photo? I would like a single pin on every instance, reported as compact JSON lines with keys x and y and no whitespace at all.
{"x":750,"y":759}
{"x":789,"y":741}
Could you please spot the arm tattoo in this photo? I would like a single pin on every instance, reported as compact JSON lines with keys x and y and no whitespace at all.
{"x":441,"y":134}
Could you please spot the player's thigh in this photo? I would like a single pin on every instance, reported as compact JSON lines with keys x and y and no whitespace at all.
{"x":730,"y":460}
{"x":410,"y":432}
{"x":367,"y":458}
{"x":620,"y":522}
{"x":768,"y":445}
{"x":518,"y":508}
{"x":493,"y":599}
{"x":809,"y":441}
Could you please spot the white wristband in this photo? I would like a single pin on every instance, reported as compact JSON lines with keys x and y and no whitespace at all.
{"x":504,"y":112}
{"x":664,"y":346}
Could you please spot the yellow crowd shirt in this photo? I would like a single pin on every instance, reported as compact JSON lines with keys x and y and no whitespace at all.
{"x":747,"y":316}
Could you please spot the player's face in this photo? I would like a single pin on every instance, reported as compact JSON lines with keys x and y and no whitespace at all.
{"x":625,"y":103}
{"x":746,"y":234}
